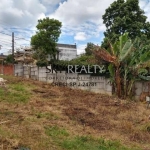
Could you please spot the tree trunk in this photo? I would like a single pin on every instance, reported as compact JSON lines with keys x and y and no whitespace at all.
{"x":125,"y":83}
{"x":118,"y":82}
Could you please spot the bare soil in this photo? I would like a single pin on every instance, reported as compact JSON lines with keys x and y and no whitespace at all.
{"x":80,"y":112}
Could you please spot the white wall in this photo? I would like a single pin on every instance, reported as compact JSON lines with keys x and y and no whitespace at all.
{"x":67,"y":53}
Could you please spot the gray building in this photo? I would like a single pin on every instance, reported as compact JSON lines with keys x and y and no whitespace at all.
{"x":66,"y":51}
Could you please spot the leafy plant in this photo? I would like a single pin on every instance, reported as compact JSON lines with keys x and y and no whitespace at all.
{"x":127,"y":59}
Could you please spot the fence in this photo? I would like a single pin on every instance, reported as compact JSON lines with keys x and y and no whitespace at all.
{"x":6,"y":69}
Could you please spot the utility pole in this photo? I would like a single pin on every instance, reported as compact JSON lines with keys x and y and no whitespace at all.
{"x":13,"y":46}
{"x":13,"y":52}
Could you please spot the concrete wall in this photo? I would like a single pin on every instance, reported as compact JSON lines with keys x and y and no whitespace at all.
{"x":34,"y":73}
{"x":76,"y":81}
{"x":95,"y":84}
{"x":140,"y":87}
{"x":19,"y":70}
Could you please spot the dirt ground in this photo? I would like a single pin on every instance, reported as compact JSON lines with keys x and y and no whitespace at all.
{"x":80,"y":112}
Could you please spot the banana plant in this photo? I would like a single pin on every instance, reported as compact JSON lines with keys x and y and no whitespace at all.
{"x":116,"y":54}
{"x":126,"y":58}
{"x":137,"y":62}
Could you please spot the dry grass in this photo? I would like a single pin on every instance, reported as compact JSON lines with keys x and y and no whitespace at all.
{"x":79,"y":112}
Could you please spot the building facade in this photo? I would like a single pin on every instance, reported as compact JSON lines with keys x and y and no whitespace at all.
{"x":66,"y":51}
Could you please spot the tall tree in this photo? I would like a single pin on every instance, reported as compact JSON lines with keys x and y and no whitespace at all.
{"x":46,"y":38}
{"x":125,"y":16}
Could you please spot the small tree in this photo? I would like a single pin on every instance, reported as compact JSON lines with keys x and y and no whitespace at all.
{"x":45,"y":40}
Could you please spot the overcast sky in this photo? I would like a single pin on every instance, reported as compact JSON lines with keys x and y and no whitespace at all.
{"x":81,"y":19}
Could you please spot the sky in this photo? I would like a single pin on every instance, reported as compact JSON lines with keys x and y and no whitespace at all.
{"x":81,"y":20}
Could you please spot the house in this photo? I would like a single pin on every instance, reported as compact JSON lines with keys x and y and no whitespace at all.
{"x":24,"y":56}
{"x":2,"y":57}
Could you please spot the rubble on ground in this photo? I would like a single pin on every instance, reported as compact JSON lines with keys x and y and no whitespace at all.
{"x":2,"y":82}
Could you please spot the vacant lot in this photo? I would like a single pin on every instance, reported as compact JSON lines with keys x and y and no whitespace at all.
{"x":38,"y":116}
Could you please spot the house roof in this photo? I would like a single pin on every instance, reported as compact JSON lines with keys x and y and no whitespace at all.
{"x":2,"y":57}
{"x":66,"y":45}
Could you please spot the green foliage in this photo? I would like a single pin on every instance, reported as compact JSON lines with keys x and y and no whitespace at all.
{"x":86,"y":61}
{"x":133,"y":62}
{"x":112,"y":73}
{"x":9,"y":59}
{"x":88,"y":143}
{"x":125,"y":16}
{"x":132,"y":54}
{"x":40,"y":55}
{"x":45,"y":39}
{"x":82,"y":60}
{"x":56,"y":132}
{"x":89,"y":48}
{"x":15,"y":93}
{"x":67,"y":142}
{"x":128,"y":58}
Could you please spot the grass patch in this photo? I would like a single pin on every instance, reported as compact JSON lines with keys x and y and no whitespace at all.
{"x":18,"y":87}
{"x":62,"y":138}
{"x":88,"y":143}
{"x":15,"y":93}
{"x":56,"y":132}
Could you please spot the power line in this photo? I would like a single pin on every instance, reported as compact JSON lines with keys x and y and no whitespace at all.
{"x":4,"y":38}
{"x":5,"y":33}
{"x":15,"y":36}
{"x":19,"y":38}
{"x":23,"y":29}
{"x":15,"y":45}
{"x":5,"y":41}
